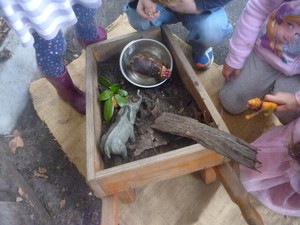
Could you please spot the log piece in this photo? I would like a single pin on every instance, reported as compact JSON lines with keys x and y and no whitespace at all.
{"x":221,"y":142}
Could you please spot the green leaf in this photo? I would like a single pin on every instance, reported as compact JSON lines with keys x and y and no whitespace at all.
{"x":121,"y":100}
{"x":108,"y":110}
{"x":107,"y":94}
{"x":104,"y":81}
{"x":115,"y":87}
{"x":122,"y":92}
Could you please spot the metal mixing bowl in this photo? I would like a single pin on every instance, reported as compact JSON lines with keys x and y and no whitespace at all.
{"x":151,"y":48}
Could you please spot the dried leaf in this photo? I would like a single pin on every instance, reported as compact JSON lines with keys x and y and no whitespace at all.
{"x":19,"y":199}
{"x":156,"y":111}
{"x":40,"y":172}
{"x":16,"y":142}
{"x":20,"y":191}
{"x":62,"y":203}
{"x":148,"y":140}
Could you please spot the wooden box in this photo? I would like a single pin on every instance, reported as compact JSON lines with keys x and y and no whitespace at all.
{"x":178,"y":162}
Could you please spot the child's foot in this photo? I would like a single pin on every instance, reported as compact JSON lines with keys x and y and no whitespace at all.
{"x":205,"y":61}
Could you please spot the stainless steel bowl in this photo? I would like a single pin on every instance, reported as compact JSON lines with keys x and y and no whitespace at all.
{"x":151,"y":48}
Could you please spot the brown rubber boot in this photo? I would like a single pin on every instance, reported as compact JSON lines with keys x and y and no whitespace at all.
{"x":68,"y":91}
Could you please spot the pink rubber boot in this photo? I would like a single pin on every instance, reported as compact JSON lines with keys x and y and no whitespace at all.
{"x":68,"y":91}
{"x":102,"y":37}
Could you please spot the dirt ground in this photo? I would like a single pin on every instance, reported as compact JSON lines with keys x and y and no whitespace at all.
{"x":55,"y":181}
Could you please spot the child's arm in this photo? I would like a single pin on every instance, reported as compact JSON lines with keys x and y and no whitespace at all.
{"x":247,"y":30}
{"x":285,"y":100}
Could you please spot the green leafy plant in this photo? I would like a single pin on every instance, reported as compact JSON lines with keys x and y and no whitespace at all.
{"x":113,"y":96}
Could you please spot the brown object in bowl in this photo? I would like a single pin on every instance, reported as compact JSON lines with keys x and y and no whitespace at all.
{"x":148,"y":66}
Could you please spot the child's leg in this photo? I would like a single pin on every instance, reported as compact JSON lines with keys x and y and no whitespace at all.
{"x":86,"y":26}
{"x":255,"y":80}
{"x":206,"y":30}
{"x":49,"y":57}
{"x":87,"y":30}
{"x":291,"y":85}
{"x":138,"y":23}
{"x":49,"y":54}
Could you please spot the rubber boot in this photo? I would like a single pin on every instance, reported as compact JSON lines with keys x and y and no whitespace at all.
{"x":68,"y":91}
{"x":102,"y":37}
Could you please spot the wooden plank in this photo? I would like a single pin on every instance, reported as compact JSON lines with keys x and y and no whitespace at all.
{"x":189,"y":78}
{"x":161,"y":167}
{"x":127,"y":196}
{"x":110,"y":210}
{"x":93,"y":124}
{"x":208,"y":175}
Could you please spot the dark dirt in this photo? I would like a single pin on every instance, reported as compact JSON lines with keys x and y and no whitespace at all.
{"x":63,"y":191}
{"x":171,"y":96}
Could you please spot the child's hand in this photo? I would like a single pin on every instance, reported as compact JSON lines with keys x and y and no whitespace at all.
{"x":286,"y":101}
{"x":147,"y":9}
{"x":228,"y":72}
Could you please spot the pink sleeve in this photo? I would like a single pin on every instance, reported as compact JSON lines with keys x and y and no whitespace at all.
{"x":247,"y":30}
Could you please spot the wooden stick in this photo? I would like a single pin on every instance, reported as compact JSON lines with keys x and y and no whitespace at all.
{"x":212,"y":138}
{"x":110,"y":210}
{"x":238,"y":193}
{"x":208,"y":175}
{"x":127,"y":196}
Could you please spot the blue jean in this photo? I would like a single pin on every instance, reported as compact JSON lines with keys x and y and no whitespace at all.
{"x":49,"y":53}
{"x":207,"y":29}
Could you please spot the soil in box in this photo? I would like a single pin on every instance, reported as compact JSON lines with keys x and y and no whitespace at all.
{"x":171,"y":96}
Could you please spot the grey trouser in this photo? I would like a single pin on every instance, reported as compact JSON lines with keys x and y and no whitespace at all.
{"x":258,"y":78}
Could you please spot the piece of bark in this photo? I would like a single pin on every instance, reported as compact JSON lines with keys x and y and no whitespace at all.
{"x":223,"y":143}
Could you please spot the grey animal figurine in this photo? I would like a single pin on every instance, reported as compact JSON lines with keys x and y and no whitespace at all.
{"x":113,"y":142}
